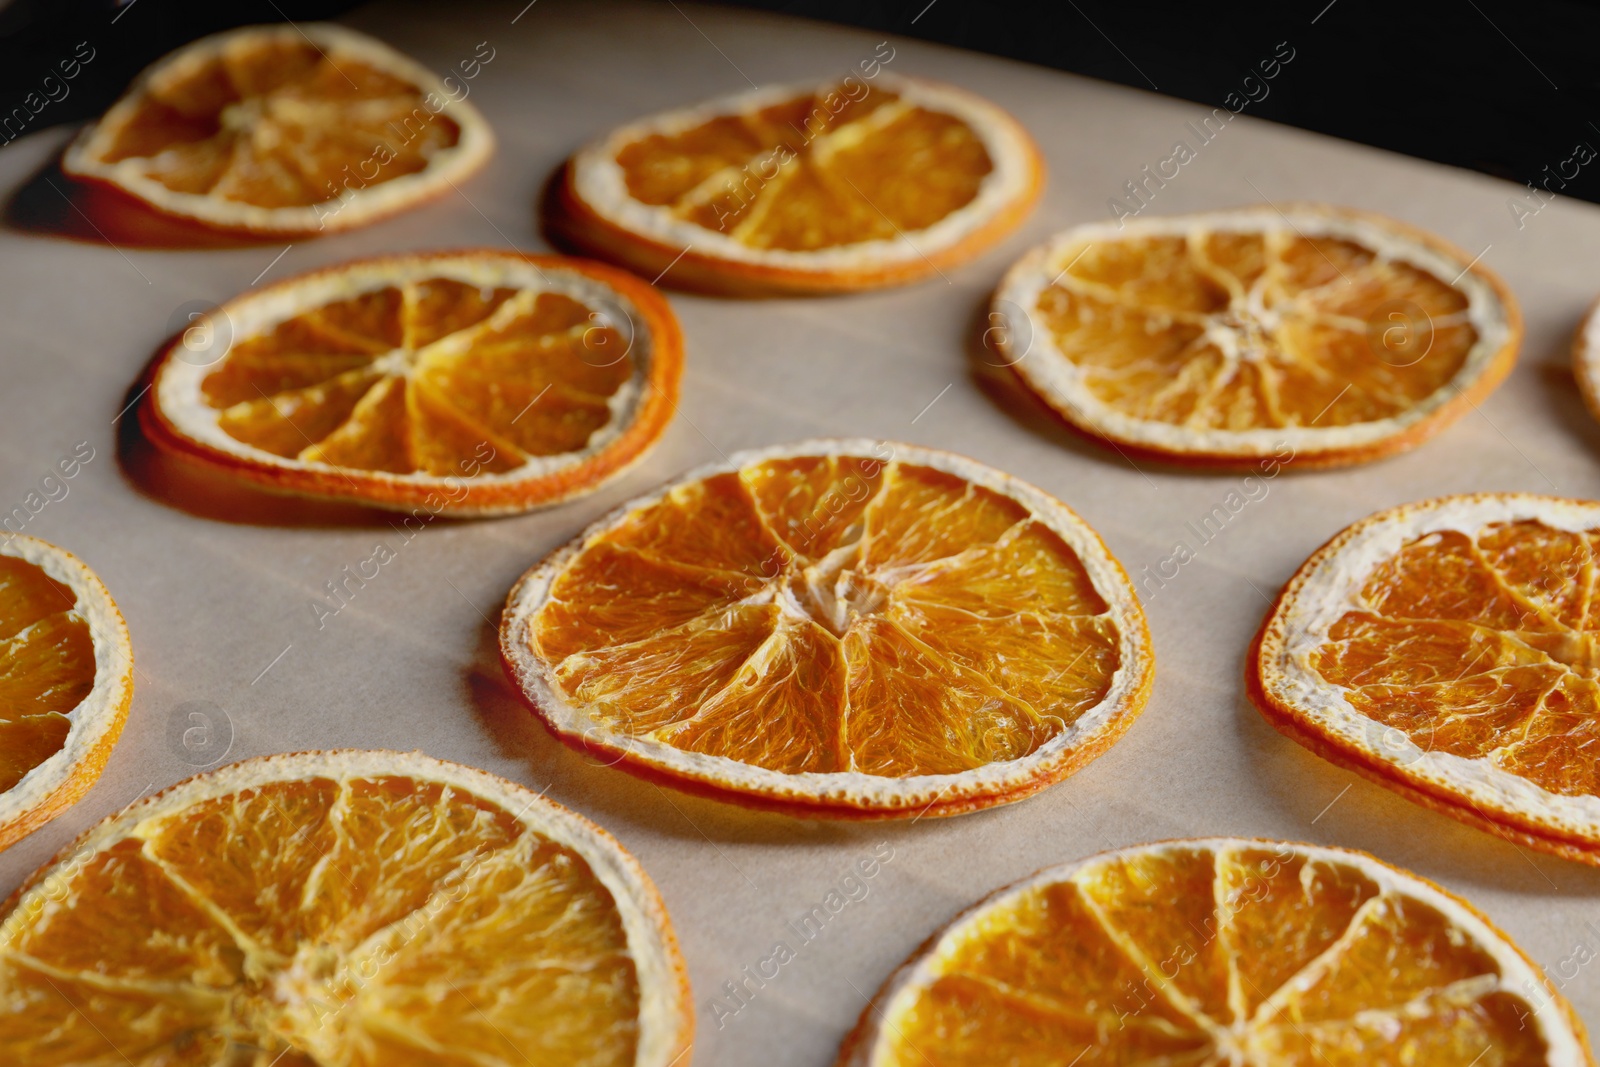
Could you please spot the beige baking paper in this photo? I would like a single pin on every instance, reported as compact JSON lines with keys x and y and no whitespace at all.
{"x":220,"y":590}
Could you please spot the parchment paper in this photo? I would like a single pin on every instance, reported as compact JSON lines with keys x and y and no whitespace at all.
{"x":218,"y":587}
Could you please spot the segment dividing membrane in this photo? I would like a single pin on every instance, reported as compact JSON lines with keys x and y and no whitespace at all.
{"x":1482,"y":645}
{"x":1327,"y":334}
{"x":1241,"y":330}
{"x":814,"y":171}
{"x":47,"y":666}
{"x":1219,"y":954}
{"x":804,"y":188}
{"x":829,"y":624}
{"x":473,"y":382}
{"x":284,"y":130}
{"x":278,"y":124}
{"x":339,"y":908}
{"x":66,"y":680}
{"x":432,"y":375}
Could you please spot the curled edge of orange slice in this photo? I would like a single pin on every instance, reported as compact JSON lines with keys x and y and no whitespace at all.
{"x":595,"y":210}
{"x":846,"y":795}
{"x":176,"y":417}
{"x":84,"y":158}
{"x":63,"y":778}
{"x":1287,"y":690}
{"x":883,"y":1022}
{"x":665,"y":1018}
{"x":1039,"y":363}
{"x":1586,"y":359}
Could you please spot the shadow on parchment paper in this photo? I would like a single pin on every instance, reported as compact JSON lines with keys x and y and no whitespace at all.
{"x":991,"y":372}
{"x":612,"y":796}
{"x":552,"y":221}
{"x":556,"y":228}
{"x":201,"y":492}
{"x":1336,"y":806}
{"x":50,"y":204}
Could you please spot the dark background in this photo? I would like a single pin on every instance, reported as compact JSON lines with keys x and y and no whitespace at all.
{"x":1506,"y":87}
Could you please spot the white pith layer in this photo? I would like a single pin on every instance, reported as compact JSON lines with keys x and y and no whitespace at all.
{"x":886,"y":1019}
{"x":95,"y":715}
{"x":661,"y":1008}
{"x":601,"y":184}
{"x":1062,"y":383}
{"x":178,"y":388}
{"x":847,"y":788}
{"x":1330,"y":585}
{"x":85,"y":156}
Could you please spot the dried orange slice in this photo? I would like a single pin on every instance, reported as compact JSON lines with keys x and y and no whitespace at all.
{"x":353,"y":908}
{"x":1586,"y":359}
{"x":66,"y":678}
{"x":285,"y":131}
{"x":836,"y":629}
{"x":810,"y":188}
{"x":470,"y":382}
{"x":1218,"y":953}
{"x":1450,"y":650}
{"x":1327,"y":335}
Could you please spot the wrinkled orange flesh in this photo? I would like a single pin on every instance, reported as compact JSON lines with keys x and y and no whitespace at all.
{"x":1201,"y":958}
{"x":1485,"y":647}
{"x":368,"y":921}
{"x":46,"y":666}
{"x":276,"y":123}
{"x":820,"y":614}
{"x":831,"y":168}
{"x":434,"y":376}
{"x":1242,"y":330}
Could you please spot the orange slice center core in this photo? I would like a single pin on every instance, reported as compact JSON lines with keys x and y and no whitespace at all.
{"x":434,"y":375}
{"x":818,"y":614}
{"x":832,"y":592}
{"x":818,"y":171}
{"x":276,"y":124}
{"x":1239,"y":330}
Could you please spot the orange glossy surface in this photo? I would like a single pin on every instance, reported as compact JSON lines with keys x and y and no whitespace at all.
{"x":1245,"y":330}
{"x":46,"y":666}
{"x":1189,"y":957}
{"x":434,"y":376}
{"x":1484,"y":647}
{"x":820,"y":614}
{"x":274,"y":123}
{"x":375,"y":921}
{"x":819,"y":171}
